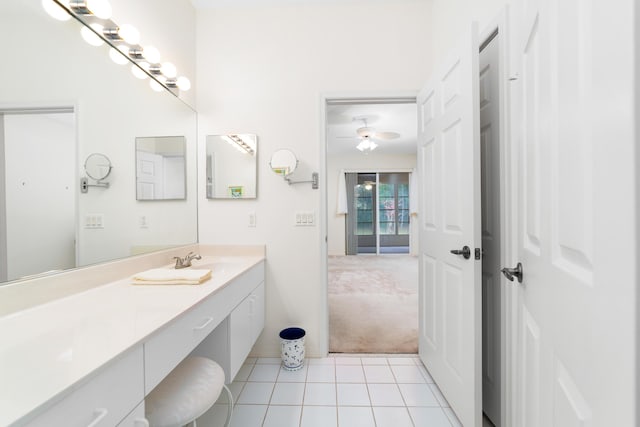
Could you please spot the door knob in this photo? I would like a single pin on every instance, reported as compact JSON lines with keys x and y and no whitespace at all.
{"x":510,"y":273}
{"x":465,"y":252}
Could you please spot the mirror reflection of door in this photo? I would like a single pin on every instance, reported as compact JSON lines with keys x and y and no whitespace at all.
{"x":381,"y":222}
{"x":160,"y":168}
{"x":37,"y":175}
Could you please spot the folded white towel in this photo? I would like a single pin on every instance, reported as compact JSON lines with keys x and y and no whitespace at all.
{"x":167,"y":276}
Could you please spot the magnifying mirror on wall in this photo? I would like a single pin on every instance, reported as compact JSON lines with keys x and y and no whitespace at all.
{"x":283,"y":162}
{"x":97,"y":166}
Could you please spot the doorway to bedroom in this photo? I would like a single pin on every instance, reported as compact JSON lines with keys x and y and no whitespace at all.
{"x":372,"y":276}
{"x":380,"y":224}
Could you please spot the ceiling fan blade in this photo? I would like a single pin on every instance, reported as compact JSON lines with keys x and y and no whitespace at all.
{"x":386,"y":135}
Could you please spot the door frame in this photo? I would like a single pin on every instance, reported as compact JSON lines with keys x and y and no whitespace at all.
{"x":508,"y":201}
{"x":365,"y":97}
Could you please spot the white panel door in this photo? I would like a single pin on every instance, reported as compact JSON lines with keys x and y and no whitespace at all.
{"x":149,"y":176}
{"x":450,"y":288}
{"x":491,"y":222}
{"x":573,"y":97}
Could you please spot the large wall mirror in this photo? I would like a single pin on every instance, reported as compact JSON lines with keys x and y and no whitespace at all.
{"x":60,"y":101}
{"x":231,"y":166}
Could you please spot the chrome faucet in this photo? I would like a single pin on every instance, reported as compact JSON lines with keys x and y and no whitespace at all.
{"x":186,"y":261}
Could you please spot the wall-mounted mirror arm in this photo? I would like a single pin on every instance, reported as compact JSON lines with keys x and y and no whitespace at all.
{"x":84,"y":184}
{"x":284,"y":163}
{"x":314,"y":181}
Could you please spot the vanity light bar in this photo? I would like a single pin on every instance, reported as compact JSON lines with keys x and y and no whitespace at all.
{"x":240,"y":143}
{"x":124,"y":39}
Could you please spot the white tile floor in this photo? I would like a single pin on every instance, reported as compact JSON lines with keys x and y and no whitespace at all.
{"x":358,"y":391}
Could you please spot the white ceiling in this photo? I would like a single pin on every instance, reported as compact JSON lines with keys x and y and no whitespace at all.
{"x":342,"y":136}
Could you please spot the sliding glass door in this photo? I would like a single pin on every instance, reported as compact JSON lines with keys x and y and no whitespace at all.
{"x":393,"y":212}
{"x":381,"y":202}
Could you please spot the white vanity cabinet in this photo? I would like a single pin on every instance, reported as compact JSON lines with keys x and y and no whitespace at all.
{"x":110,"y":346}
{"x":232,"y":340}
{"x":104,"y":400}
{"x":238,"y":303}
{"x":245,"y":325}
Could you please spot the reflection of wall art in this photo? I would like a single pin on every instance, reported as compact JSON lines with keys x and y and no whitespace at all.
{"x":281,"y":171}
{"x":235,"y":191}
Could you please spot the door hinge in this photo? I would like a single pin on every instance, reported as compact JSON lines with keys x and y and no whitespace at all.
{"x":478,"y":253}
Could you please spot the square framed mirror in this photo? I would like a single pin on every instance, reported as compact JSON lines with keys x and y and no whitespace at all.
{"x":232,"y":166}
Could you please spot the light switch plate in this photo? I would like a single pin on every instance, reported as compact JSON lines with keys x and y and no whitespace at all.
{"x":93,"y":221}
{"x":304,"y":219}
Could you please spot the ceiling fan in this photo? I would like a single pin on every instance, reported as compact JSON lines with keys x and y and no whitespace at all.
{"x":368,"y":135}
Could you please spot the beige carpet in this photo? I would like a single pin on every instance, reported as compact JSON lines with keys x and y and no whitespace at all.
{"x":373,"y":304}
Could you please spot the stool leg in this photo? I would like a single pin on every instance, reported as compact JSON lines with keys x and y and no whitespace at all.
{"x":230,"y":410}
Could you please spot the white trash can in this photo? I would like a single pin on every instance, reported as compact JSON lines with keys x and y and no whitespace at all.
{"x":292,"y":342}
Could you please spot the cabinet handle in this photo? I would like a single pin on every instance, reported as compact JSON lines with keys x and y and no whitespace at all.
{"x":100,"y":414}
{"x":204,"y":325}
{"x":141,"y":421}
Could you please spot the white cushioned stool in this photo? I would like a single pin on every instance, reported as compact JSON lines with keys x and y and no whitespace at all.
{"x":186,"y":393}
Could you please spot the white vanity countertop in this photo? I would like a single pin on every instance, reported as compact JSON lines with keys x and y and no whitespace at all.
{"x":48,"y":349}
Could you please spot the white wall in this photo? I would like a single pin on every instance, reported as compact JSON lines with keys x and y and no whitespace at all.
{"x":263,"y":70}
{"x":358,"y":162}
{"x":453,"y":17}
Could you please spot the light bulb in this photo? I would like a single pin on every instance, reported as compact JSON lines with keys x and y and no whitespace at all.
{"x":99,"y":8}
{"x":155,"y":85}
{"x":119,"y":55}
{"x":129,"y":34}
{"x":151,"y":54}
{"x":138,"y":72}
{"x":90,"y":37}
{"x":55,"y":10}
{"x":169,"y":70}
{"x":183,"y":83}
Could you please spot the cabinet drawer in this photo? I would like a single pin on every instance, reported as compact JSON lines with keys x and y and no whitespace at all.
{"x":104,"y":400}
{"x":167,"y":348}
